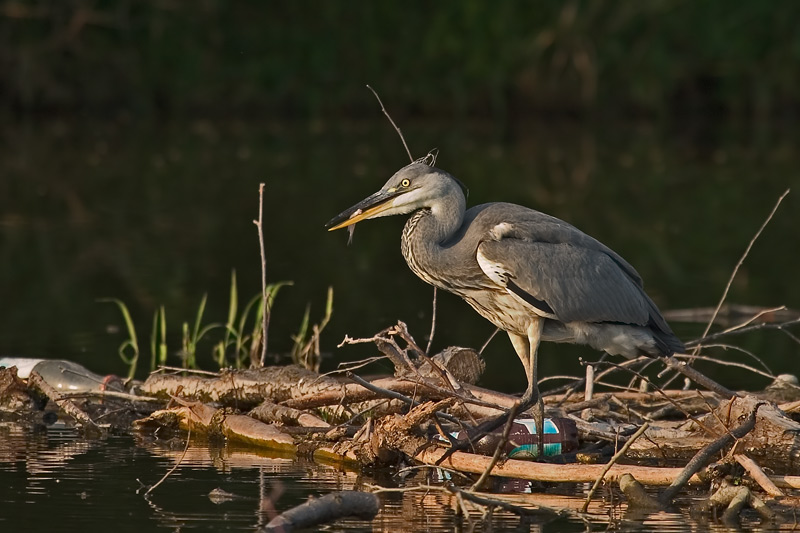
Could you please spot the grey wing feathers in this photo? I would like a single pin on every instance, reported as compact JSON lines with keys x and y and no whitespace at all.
{"x":577,"y":283}
{"x":534,"y":226}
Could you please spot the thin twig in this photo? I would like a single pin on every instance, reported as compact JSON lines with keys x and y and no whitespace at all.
{"x":433,"y":324}
{"x":110,"y":394}
{"x":756,"y":317}
{"x":498,"y":451}
{"x":763,"y":325}
{"x":739,"y":264}
{"x":611,"y":463}
{"x":264,"y":297}
{"x":400,"y":133}
{"x":727,"y":363}
{"x":395,"y":395}
{"x":485,"y":344}
{"x":661,"y":392}
{"x":171,"y":470}
{"x":164,"y":369}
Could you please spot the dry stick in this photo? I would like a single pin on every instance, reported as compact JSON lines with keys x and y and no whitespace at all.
{"x":68,"y":406}
{"x":723,"y":362}
{"x":485,"y":344}
{"x":764,"y":325}
{"x":704,"y":456}
{"x":661,"y":391}
{"x":396,"y":395}
{"x":498,"y":451}
{"x":402,"y":330}
{"x":698,"y":377}
{"x":175,"y":467}
{"x":697,"y":347}
{"x":264,"y":299}
{"x":739,"y":264}
{"x":611,"y":463}
{"x":433,"y":324}
{"x":110,"y":394}
{"x":754,"y":318}
{"x":758,"y":475}
{"x":163,"y":369}
{"x":400,"y":133}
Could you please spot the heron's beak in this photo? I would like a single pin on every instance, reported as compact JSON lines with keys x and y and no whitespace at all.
{"x":366,"y":208}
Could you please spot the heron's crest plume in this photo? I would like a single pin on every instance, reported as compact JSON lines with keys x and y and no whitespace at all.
{"x":429,"y":159}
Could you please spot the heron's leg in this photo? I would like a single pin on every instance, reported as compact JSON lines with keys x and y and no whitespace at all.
{"x":531,"y":368}
{"x":527,"y":348}
{"x":523,"y":350}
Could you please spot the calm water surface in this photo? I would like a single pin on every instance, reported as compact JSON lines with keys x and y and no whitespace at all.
{"x":55,"y":480}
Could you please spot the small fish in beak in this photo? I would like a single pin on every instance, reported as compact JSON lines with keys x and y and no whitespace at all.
{"x":352,"y":228}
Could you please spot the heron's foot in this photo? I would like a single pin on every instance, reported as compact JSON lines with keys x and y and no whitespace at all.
{"x":529,"y":398}
{"x":532,"y":398}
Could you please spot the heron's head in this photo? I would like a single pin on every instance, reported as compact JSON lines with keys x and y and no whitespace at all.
{"x":415,"y":186}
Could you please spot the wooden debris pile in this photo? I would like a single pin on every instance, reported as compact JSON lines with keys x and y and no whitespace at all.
{"x":430,"y":411}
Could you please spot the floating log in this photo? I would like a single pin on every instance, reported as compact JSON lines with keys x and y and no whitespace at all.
{"x":328,"y":508}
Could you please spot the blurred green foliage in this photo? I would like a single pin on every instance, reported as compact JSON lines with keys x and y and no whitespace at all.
{"x":313,"y":58}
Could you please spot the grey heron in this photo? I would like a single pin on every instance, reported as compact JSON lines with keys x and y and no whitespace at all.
{"x":532,"y":275}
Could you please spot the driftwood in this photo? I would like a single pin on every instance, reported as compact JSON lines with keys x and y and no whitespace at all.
{"x":14,"y":395}
{"x":705,"y":455}
{"x":68,"y":406}
{"x":775,"y":438}
{"x":388,"y":438}
{"x":202,"y":418}
{"x":734,"y":499}
{"x":243,"y":389}
{"x":416,"y":417}
{"x":637,"y":496}
{"x":758,"y":475}
{"x":328,"y":508}
{"x":272,"y":412}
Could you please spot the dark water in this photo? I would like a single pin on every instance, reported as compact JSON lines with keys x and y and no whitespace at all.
{"x":55,"y":480}
{"x":161,"y":213}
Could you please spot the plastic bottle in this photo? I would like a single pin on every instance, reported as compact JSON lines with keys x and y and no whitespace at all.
{"x":62,"y":375}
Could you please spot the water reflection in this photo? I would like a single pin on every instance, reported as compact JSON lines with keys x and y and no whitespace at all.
{"x":53,"y":478}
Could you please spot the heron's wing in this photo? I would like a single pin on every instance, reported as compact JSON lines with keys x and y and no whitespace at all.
{"x":567,"y":281}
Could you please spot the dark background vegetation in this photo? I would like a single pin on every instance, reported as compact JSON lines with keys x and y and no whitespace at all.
{"x":133,"y":136}
{"x":309,"y":58}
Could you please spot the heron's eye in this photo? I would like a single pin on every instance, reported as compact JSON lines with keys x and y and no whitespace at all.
{"x":405,"y":183}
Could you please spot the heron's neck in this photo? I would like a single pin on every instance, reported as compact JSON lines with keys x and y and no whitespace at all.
{"x":426,"y":231}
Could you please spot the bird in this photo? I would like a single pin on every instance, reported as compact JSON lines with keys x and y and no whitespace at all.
{"x":534,"y":276}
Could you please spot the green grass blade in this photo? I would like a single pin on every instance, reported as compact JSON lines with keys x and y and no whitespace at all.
{"x":132,"y":341}
{"x":233,"y":307}
{"x":199,"y":318}
{"x":162,"y":347}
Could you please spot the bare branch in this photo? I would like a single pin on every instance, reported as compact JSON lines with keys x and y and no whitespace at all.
{"x":400,"y":133}
{"x":433,"y":323}
{"x":739,"y":264}
{"x":264,"y":296}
